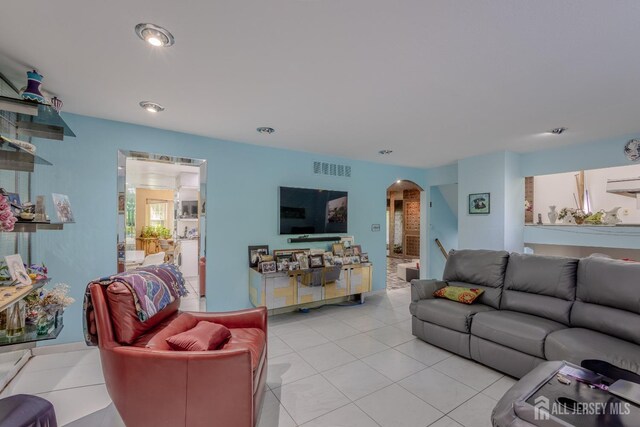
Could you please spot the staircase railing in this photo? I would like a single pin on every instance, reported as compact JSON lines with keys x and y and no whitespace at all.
{"x":442,"y":249}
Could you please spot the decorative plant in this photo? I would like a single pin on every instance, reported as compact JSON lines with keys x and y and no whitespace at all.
{"x":7,"y":218}
{"x":564,"y":212}
{"x":150,"y":231}
{"x":57,"y":296}
{"x":35,"y":272}
{"x":595,"y":218}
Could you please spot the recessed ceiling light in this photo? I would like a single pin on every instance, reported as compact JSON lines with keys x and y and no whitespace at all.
{"x":264,"y":129}
{"x":155,"y":35}
{"x":385,"y":152}
{"x":398,"y":181}
{"x":151,"y":107}
{"x":558,"y":131}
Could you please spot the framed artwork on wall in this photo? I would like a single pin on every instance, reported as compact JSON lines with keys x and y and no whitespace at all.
{"x":480,"y":204}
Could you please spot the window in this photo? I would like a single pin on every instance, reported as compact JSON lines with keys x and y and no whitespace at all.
{"x":158,"y":213}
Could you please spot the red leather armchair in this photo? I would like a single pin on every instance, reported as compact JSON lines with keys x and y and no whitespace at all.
{"x":151,"y":385}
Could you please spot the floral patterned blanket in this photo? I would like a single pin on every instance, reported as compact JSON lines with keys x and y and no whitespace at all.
{"x":153,"y":287}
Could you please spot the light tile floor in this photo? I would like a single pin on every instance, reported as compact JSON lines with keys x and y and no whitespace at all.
{"x":349,"y":366}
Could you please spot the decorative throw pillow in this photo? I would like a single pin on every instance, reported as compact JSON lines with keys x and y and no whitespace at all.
{"x":459,"y":294}
{"x":202,"y":337}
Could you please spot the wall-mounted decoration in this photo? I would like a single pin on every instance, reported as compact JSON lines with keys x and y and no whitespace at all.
{"x":32,"y":92}
{"x":479,"y":204}
{"x":121,"y":202}
{"x":255,"y":252}
{"x":632,"y":149}
{"x":63,"y":207}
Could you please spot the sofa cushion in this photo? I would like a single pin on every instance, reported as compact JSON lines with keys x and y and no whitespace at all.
{"x":578,"y":344}
{"x":608,"y":298}
{"x":519,"y":331}
{"x":124,"y":318}
{"x":250,"y":338}
{"x":203,"y":337}
{"x":449,"y":314}
{"x":478,"y":269}
{"x":544,"y":286}
{"x":459,"y":294}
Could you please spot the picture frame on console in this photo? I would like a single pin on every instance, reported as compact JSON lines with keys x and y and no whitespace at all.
{"x":316,"y":261}
{"x":479,"y":204}
{"x":303,"y":260}
{"x":337,"y":249}
{"x":268,"y":267}
{"x":356,"y":249}
{"x":255,"y":252}
{"x":337,"y":261}
{"x":328,"y":259}
{"x":364,"y":257}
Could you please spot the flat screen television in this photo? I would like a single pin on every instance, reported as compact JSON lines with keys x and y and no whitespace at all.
{"x":312,"y":211}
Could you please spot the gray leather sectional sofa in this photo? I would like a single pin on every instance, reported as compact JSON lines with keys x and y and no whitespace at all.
{"x":534,"y":308}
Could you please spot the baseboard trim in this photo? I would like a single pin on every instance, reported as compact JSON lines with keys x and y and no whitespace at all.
{"x":60,"y":348}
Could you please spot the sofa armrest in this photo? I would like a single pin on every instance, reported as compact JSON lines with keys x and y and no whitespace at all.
{"x":251,"y":318}
{"x":424,"y":289}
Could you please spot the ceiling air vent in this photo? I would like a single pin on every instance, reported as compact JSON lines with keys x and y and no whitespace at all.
{"x":331,"y":169}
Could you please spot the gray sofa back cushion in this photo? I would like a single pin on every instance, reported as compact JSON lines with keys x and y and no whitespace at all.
{"x":540,"y":285}
{"x":608,"y":297}
{"x":478,"y":268}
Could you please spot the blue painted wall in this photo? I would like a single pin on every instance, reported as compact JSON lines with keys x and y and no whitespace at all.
{"x":443,"y":225}
{"x":242,"y":204}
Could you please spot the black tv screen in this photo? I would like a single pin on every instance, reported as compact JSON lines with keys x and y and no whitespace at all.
{"x":311,"y":211}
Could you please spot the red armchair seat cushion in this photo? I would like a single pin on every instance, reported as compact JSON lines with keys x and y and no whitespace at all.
{"x":251,"y":338}
{"x":157,"y":338}
{"x":203,"y":337}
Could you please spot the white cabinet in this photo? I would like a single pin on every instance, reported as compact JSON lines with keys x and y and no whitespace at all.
{"x":188,"y":258}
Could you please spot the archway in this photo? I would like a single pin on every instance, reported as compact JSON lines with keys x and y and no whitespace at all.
{"x":403,"y":233}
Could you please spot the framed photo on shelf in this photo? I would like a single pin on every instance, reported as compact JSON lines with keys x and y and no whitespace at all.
{"x":17,"y":270}
{"x":355,"y":259}
{"x":356,"y":249}
{"x":268,"y":267}
{"x":255,"y":252}
{"x":303,"y":260}
{"x":364,"y":257}
{"x":480,"y":204}
{"x":337,"y":261}
{"x":63,"y":207}
{"x":283,"y":265}
{"x":347,"y":241}
{"x":294,"y":265}
{"x":337,"y":249}
{"x":328,"y":259}
{"x":16,"y":206}
{"x":285,"y":252}
{"x":316,"y":261}
{"x":346,"y":260}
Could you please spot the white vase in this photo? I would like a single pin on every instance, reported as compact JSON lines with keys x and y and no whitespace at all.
{"x":553,"y":215}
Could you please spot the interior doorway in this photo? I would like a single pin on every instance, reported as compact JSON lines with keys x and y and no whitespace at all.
{"x":161,"y":217}
{"x":403,"y":233}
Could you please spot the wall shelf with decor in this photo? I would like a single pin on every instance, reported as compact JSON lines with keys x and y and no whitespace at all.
{"x":296,"y":287}
{"x":14,"y":293}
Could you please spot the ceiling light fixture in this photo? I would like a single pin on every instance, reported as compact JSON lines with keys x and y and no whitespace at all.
{"x":398,"y":181}
{"x":266,"y":130}
{"x":155,"y":35}
{"x":558,"y":131}
{"x":151,"y":107}
{"x":385,"y":152}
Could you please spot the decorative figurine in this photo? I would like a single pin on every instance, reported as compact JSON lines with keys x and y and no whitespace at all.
{"x":539,"y":219}
{"x":32,"y":92}
{"x":56,"y":103}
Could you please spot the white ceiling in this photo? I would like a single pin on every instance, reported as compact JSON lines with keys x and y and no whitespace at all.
{"x":432,"y":80}
{"x":155,"y":174}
